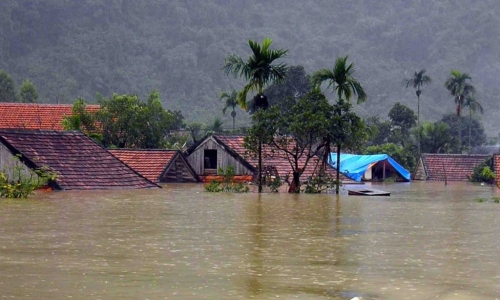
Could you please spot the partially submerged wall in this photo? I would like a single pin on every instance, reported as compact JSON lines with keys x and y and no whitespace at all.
{"x":12,"y":167}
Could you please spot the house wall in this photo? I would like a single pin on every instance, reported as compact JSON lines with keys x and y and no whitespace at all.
{"x":11,"y":166}
{"x":420,"y":172}
{"x":224,"y":159}
{"x":178,"y":172}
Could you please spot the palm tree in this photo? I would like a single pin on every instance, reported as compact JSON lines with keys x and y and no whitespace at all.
{"x":459,"y":85}
{"x":231,"y":102}
{"x":259,"y":71}
{"x":473,"y":105}
{"x":341,"y":79}
{"x":417,"y":81}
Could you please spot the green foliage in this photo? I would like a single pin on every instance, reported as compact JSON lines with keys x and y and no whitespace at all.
{"x":436,"y":138}
{"x":459,"y":127}
{"x":480,"y":200}
{"x":402,"y":155}
{"x":274,"y":183}
{"x":496,"y":199}
{"x":7,"y":90}
{"x":127,"y":122}
{"x":319,"y":184}
{"x":483,"y":172}
{"x":231,"y":101}
{"x":259,"y":70}
{"x":227,"y":185}
{"x":20,"y":184}
{"x":27,"y":92}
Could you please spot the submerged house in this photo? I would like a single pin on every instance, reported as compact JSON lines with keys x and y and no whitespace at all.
{"x":36,"y":116}
{"x":79,"y":163}
{"x":371,"y":167}
{"x":447,"y":167}
{"x":219,"y":151}
{"x":158,"y":165}
{"x":496,"y":168}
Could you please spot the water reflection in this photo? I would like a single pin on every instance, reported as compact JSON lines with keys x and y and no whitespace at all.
{"x":426,"y":241}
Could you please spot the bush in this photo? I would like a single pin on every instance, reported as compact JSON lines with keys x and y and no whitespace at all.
{"x":227,"y":185}
{"x":483,"y":172}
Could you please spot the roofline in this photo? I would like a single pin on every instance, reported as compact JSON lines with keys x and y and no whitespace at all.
{"x":235,"y":155}
{"x":169,"y":165}
{"x":28,"y":162}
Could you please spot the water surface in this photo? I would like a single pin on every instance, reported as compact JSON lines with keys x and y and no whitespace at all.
{"x":426,"y":241}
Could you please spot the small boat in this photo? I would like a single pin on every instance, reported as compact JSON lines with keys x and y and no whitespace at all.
{"x":368,"y":192}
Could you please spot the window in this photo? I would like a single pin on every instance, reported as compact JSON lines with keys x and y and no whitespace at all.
{"x":210,"y":159}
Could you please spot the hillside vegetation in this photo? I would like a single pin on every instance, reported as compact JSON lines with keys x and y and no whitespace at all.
{"x":72,"y":49}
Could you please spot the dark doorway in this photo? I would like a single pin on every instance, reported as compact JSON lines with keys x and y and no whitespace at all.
{"x":210,"y":159}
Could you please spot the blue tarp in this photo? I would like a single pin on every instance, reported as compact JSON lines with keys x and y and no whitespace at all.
{"x":355,"y":166}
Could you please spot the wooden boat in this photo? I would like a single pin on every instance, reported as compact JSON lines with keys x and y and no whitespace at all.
{"x":368,"y":192}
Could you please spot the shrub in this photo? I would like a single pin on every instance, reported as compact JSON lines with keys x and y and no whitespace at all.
{"x":483,"y":172}
{"x":228,"y":185}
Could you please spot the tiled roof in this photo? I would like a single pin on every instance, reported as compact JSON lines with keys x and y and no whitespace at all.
{"x":451,"y":167}
{"x":150,"y":163}
{"x":80,"y":163}
{"x":36,"y":116}
{"x":273,"y":157}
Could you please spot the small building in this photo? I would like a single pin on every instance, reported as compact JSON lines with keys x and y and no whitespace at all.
{"x":221,"y":151}
{"x":447,"y":167}
{"x":372,"y":167}
{"x":79,"y":163}
{"x":158,"y":165}
{"x":36,"y":116}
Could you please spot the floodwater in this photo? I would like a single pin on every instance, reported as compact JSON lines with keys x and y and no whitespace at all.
{"x":426,"y":241}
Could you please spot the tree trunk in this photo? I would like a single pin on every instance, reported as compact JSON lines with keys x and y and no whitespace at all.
{"x":470,"y":125}
{"x":295,"y":185}
{"x":337,"y":184}
{"x":260,"y":165}
{"x":418,"y":121}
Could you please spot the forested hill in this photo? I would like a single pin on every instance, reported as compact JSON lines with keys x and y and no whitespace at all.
{"x":80,"y":48}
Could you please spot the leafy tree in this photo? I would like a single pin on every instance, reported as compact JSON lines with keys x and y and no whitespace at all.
{"x":402,"y":120}
{"x":127,"y":122}
{"x":196,"y":130}
{"x":473,"y":105}
{"x":347,"y":132}
{"x":460,"y":86}
{"x":7,"y":90}
{"x":82,"y":120}
{"x":230,"y":102}
{"x":400,"y":154}
{"x":297,"y":134}
{"x":417,"y":81}
{"x":215,"y":127}
{"x":341,"y":80}
{"x":379,"y":131}
{"x":484,"y":172}
{"x":27,"y":92}
{"x":258,"y":70}
{"x":459,"y":127}
{"x":297,"y":84}
{"x":436,"y":138}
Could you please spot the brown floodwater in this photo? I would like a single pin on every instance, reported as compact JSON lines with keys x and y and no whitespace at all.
{"x":426,"y":241}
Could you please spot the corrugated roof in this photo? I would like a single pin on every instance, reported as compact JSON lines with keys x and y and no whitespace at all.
{"x":451,"y":167}
{"x":36,"y":116}
{"x":79,"y":162}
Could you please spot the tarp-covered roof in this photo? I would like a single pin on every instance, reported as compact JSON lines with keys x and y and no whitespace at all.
{"x":355,"y":166}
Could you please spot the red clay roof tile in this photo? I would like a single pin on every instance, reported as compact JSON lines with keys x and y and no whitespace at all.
{"x":36,"y":116}
{"x":451,"y":167}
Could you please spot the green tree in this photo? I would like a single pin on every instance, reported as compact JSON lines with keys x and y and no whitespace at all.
{"x":473,"y":105}
{"x":436,"y":138}
{"x":230,"y":102}
{"x":458,"y":127}
{"x":82,"y":120}
{"x":460,"y":86}
{"x":417,"y":81}
{"x":402,"y":120}
{"x":379,"y":131}
{"x":215,"y":127}
{"x":27,"y":92}
{"x":128,"y":122}
{"x":259,"y":71}
{"x":7,"y":90}
{"x":297,"y":134}
{"x":347,"y":132}
{"x":341,"y":80}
